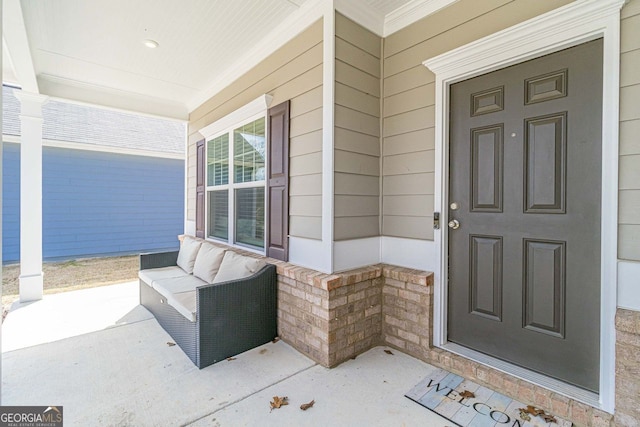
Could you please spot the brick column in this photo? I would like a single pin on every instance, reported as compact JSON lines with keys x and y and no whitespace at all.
{"x":407,"y":310}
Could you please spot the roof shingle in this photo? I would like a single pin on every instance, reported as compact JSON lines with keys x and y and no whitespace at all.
{"x":82,"y":124}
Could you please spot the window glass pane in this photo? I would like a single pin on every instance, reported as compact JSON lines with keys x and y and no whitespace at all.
{"x":249,"y":150}
{"x":218,"y":161}
{"x":250,"y":216}
{"x":219,"y":214}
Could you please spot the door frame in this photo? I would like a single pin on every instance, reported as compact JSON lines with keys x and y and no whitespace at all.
{"x":578,"y":22}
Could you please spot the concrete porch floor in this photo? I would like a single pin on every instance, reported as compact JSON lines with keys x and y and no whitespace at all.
{"x":105,"y":359}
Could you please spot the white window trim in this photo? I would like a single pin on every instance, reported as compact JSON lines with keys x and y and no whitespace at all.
{"x":242,"y":114}
{"x":575,"y":23}
{"x":252,"y":111}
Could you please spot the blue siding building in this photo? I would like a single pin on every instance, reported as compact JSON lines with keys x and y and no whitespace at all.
{"x":10,"y":202}
{"x":99,"y":199}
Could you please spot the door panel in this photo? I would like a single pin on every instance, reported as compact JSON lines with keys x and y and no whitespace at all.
{"x":486,"y":276}
{"x":525,"y":173}
{"x":486,"y":169}
{"x":544,"y":286}
{"x":545,"y":163}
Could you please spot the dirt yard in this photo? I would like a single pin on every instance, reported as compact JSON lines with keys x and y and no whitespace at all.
{"x":71,"y":275}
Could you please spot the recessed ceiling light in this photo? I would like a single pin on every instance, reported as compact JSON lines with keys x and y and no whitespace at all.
{"x":151,"y":44}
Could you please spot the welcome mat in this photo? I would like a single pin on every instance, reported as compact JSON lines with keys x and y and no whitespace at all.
{"x":468,"y":404}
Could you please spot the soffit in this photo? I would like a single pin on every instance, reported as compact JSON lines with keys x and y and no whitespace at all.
{"x":92,"y":51}
{"x":386,"y":6}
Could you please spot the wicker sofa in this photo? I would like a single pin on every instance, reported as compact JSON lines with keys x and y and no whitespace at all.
{"x":213,"y":302}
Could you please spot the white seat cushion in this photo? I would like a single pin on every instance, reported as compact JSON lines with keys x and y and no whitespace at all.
{"x":235,"y":266}
{"x":188,"y":252}
{"x":208,"y":262}
{"x":153,"y":274}
{"x":185,"y":304}
{"x":180,"y":293}
{"x":174,"y":285}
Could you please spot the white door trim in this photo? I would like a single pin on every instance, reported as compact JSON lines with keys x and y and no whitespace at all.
{"x":575,"y":23}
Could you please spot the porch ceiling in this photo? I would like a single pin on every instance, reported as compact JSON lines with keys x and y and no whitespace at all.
{"x":93,"y":51}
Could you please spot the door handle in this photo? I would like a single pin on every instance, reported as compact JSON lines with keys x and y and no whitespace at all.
{"x":454,"y":224}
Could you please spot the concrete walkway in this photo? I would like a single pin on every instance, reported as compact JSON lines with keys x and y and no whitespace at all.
{"x":105,"y":359}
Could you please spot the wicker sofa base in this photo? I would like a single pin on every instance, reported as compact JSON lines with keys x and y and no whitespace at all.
{"x":232,"y":317}
{"x":182,"y":330}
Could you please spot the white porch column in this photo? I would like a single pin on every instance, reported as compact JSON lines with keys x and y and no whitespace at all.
{"x":31,"y":277}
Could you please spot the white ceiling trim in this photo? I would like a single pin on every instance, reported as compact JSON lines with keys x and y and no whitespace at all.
{"x":14,"y":37}
{"x":363,"y":15}
{"x":385,"y":25}
{"x":117,"y":99}
{"x":294,"y":24}
{"x":412,"y":12}
{"x":55,"y":64}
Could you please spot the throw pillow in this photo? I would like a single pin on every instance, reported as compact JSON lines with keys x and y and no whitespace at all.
{"x":188,"y":252}
{"x":208,"y":262}
{"x":235,"y":266}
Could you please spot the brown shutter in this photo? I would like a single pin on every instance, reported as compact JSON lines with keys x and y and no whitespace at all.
{"x":200,"y":188}
{"x":278,"y":183}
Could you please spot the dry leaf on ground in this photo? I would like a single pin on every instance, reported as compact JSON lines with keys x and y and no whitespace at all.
{"x":524,"y":416}
{"x":467,"y":394}
{"x":170,"y":344}
{"x":275,"y":340}
{"x":549,"y":418}
{"x":229,"y":359}
{"x":278,"y":401}
{"x":389,"y":352}
{"x":306,"y":406}
{"x":532,"y":410}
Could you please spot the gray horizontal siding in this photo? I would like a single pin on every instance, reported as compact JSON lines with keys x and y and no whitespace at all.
{"x":293,"y":72}
{"x":408,"y":94}
{"x":357,"y":131}
{"x":629,"y":174}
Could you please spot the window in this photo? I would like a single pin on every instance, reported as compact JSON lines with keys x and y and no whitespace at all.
{"x":236,"y":198}
{"x":234,"y":195}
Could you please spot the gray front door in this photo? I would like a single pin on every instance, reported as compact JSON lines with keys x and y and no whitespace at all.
{"x":525,"y":186}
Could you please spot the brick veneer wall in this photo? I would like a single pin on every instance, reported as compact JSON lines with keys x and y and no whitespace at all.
{"x":355,"y":313}
{"x":331,"y":317}
{"x":627,"y":368}
{"x":393,"y":306}
{"x":407,"y":309}
{"x":303,"y":317}
{"x":334,"y":317}
{"x":407,"y":326}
